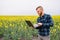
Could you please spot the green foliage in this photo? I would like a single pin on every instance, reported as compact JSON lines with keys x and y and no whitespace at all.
{"x":18,"y":29}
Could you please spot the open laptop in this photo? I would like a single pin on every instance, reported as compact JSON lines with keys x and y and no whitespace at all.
{"x":29,"y":23}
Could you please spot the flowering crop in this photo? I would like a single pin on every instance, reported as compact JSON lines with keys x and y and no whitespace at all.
{"x":15,"y":27}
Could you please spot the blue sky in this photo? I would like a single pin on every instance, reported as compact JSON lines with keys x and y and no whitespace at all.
{"x":27,"y":7}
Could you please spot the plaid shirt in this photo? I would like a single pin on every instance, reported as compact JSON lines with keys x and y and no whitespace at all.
{"x":46,"y":21}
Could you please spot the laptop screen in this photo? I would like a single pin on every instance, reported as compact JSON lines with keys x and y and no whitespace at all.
{"x":29,"y":23}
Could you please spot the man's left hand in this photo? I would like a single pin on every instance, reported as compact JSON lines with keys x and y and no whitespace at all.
{"x":40,"y":24}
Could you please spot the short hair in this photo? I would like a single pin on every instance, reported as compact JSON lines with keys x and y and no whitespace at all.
{"x":39,"y":7}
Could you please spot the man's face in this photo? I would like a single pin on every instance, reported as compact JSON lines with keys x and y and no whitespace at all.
{"x":39,"y":11}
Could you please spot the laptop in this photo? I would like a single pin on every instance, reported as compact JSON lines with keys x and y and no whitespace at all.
{"x":29,"y":23}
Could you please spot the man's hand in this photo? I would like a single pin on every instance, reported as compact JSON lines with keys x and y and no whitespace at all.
{"x":36,"y":25}
{"x":40,"y":24}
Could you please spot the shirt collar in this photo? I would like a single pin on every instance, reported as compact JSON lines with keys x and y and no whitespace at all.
{"x":43,"y":15}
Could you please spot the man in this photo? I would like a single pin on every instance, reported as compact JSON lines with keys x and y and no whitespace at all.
{"x":44,"y":22}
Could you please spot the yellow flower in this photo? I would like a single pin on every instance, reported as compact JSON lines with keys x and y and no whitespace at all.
{"x":0,"y":24}
{"x":6,"y":26}
{"x":54,"y":30}
{"x":58,"y":27}
{"x":12,"y":25}
{"x":51,"y":31}
{"x":25,"y":27}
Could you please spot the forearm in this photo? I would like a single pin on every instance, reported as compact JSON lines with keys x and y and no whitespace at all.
{"x":47,"y":24}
